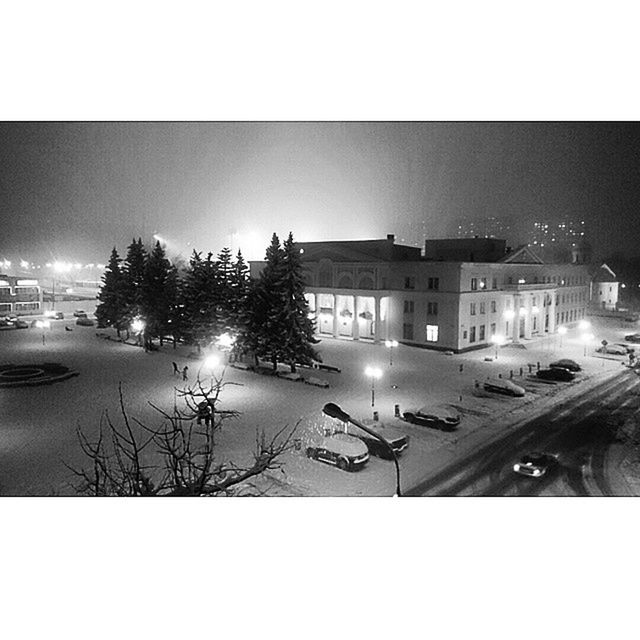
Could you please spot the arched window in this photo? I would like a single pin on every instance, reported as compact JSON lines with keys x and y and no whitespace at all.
{"x":345,"y":281}
{"x":365,"y":282}
{"x":325,"y":274}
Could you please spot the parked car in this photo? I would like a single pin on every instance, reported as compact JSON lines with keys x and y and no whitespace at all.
{"x":84,"y":322}
{"x":399,"y":441}
{"x":626,"y":347}
{"x":556,"y":373}
{"x":55,"y":315}
{"x":80,"y":313}
{"x":566,"y":363}
{"x":613,"y":349}
{"x":435,"y":416}
{"x":535,"y":464}
{"x":633,"y":337}
{"x":505,"y":387}
{"x":341,"y":450}
{"x":21,"y":324}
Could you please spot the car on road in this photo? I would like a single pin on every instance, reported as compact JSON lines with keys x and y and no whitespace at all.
{"x":399,"y":441}
{"x":535,"y":464}
{"x":566,"y":363}
{"x":613,"y":349}
{"x":84,"y":321}
{"x":340,"y":450}
{"x":626,"y":347}
{"x":504,"y":387}
{"x":434,"y":416}
{"x":556,"y":373}
{"x":54,"y":315}
{"x":633,"y":337}
{"x":21,"y":324}
{"x":80,"y":313}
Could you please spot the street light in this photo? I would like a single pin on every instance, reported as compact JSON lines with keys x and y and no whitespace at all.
{"x":586,"y":338}
{"x":391,"y":345}
{"x":137,"y":326}
{"x":373,"y":373}
{"x":583,"y":325}
{"x":334,"y":411}
{"x":498,"y":340}
{"x":43,"y":324}
{"x":562,"y":331}
{"x":210,"y":363}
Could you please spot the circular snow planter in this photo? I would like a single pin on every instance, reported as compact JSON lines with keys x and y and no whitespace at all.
{"x":27,"y":375}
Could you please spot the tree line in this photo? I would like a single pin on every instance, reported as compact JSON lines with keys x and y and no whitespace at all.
{"x":268,"y":316}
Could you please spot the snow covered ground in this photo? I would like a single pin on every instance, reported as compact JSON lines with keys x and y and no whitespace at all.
{"x":38,"y":424}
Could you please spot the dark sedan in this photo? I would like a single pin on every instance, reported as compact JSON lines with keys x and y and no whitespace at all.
{"x":556,"y":373}
{"x":566,"y":363}
{"x":633,"y":337}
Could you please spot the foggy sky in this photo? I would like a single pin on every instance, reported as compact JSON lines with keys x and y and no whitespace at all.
{"x":71,"y":191}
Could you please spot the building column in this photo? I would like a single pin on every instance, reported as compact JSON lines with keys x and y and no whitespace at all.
{"x":355,"y":325}
{"x":335,"y":316}
{"x":376,"y":329}
{"x":528,"y":318}
{"x":515,"y":330}
{"x":552,"y":313}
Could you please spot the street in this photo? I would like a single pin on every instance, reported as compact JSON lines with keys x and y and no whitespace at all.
{"x":579,"y":431}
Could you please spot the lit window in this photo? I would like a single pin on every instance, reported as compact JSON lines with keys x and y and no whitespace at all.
{"x":432,"y":333}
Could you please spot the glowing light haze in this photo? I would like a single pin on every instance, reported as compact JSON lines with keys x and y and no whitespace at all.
{"x":70,"y":191}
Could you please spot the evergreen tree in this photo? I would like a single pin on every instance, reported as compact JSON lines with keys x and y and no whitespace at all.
{"x":293,"y":313}
{"x":111,"y":310}
{"x":134,"y":269}
{"x":224,"y":292}
{"x":156,"y":302}
{"x":239,"y":293}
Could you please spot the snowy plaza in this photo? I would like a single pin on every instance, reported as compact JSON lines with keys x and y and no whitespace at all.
{"x":39,"y":423}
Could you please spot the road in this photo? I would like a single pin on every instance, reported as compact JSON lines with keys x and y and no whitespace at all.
{"x":579,"y":431}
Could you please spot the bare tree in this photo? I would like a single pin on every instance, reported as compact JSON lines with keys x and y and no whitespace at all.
{"x":177,"y":458}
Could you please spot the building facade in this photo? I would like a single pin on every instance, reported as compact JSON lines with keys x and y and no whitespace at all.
{"x":20,"y":296}
{"x":377,"y":290}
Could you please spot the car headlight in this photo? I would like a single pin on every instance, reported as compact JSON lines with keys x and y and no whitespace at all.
{"x":536,"y":472}
{"x":516,"y":467}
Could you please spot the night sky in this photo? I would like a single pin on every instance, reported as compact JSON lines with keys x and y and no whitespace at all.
{"x":71,"y":191}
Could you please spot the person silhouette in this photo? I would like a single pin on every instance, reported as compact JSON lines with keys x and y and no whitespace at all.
{"x":184,"y":373}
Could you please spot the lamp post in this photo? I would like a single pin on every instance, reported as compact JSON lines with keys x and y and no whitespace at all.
{"x":562,"y":331}
{"x":373,"y":373}
{"x":137,"y":326}
{"x":586,"y":339}
{"x":334,"y":411}
{"x":43,"y":324}
{"x":498,"y":341}
{"x":391,"y":345}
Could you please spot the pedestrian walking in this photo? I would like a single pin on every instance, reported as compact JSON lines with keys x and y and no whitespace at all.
{"x":184,"y":372}
{"x":175,"y":368}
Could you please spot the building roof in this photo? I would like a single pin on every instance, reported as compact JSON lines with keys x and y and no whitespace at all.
{"x":604,"y":274}
{"x":521,"y":255}
{"x":358,"y":251}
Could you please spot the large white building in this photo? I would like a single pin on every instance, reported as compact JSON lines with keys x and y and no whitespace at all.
{"x":456,"y":297}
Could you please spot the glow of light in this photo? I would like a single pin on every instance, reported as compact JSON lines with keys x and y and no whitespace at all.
{"x":48,"y":265}
{"x":587,"y":337}
{"x":100,"y":266}
{"x":498,"y":339}
{"x":523,"y":311}
{"x":623,"y":285}
{"x":562,"y":330}
{"x":225,"y":341}
{"x":7,"y":264}
{"x":43,"y":324}
{"x":137,"y":325}
{"x":211,"y":362}
{"x":521,"y":281}
{"x":583,"y":325}
{"x":390,"y":343}
{"x":77,"y":265}
{"x":69,"y":291}
{"x":61,"y":267}
{"x":24,"y":264}
{"x":373,"y":372}
{"x":535,"y":309}
{"x":509,"y":314}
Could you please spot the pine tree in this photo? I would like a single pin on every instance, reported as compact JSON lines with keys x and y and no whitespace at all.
{"x":133,"y":271}
{"x":294,"y":309}
{"x":239,"y":293}
{"x":224,"y":292}
{"x":111,"y":310}
{"x":156,"y":294}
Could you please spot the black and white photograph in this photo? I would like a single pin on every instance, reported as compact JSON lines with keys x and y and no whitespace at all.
{"x":319,"y":321}
{"x":320,"y":308}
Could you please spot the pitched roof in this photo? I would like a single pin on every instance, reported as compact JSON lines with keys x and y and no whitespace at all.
{"x":522,"y":255}
{"x":604,"y":274}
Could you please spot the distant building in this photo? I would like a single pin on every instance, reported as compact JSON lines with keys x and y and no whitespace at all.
{"x":376,"y":290}
{"x":484,"y":227}
{"x":20,"y":296}
{"x":604,"y":289}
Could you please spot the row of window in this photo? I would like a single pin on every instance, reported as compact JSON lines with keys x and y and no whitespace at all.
{"x":483,"y":308}
{"x":431,"y":332}
{"x":569,"y":316}
{"x":432,"y":283}
{"x":432,"y":307}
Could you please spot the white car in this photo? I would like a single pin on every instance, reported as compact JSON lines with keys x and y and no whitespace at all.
{"x":613,"y":349}
{"x":505,"y":387}
{"x":341,"y":450}
{"x":535,"y":464}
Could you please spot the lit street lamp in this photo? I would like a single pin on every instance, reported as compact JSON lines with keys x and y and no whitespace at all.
{"x":498,"y":340}
{"x":586,"y":338}
{"x":373,"y":373}
{"x":334,"y":411}
{"x":391,"y":345}
{"x":583,"y":325}
{"x":43,"y":324}
{"x":210,"y":363}
{"x":137,"y":326}
{"x":562,"y":331}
